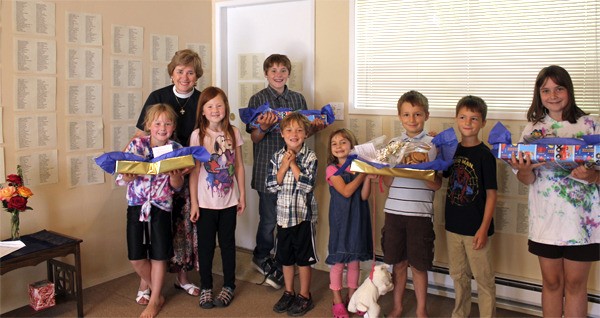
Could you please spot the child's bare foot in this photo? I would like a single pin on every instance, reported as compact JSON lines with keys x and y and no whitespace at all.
{"x":395,"y":313}
{"x":153,"y":308}
{"x":421,"y":313}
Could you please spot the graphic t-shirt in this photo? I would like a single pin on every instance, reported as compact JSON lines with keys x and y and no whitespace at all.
{"x":472,"y":173}
{"x":217,"y":188}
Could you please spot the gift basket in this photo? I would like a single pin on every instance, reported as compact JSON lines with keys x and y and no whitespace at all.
{"x":250,"y":115}
{"x":408,"y":159}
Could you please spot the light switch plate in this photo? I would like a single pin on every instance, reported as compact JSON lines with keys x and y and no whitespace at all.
{"x":338,"y":110}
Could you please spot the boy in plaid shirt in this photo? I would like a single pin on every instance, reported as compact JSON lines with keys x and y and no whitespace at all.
{"x":292,"y":175}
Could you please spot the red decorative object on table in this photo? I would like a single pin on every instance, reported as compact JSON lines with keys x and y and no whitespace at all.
{"x":41,"y":295}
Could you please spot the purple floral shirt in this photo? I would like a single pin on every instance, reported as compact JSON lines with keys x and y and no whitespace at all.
{"x":146,"y":190}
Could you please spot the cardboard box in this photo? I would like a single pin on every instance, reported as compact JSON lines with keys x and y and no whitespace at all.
{"x":41,"y":295}
{"x":566,"y":157}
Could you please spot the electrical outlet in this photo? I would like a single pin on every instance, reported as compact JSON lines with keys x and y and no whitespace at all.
{"x":338,"y":110}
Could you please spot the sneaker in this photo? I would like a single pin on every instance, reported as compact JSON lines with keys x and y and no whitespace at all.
{"x":300,"y":306}
{"x":284,"y":302}
{"x":275,"y":279}
{"x":225,"y":297}
{"x":263,"y":265}
{"x":206,"y":299}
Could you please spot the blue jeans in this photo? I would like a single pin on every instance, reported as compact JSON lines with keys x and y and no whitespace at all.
{"x":267,"y":211}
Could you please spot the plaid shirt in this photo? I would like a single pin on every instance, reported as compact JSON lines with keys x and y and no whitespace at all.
{"x":264,"y":150}
{"x":295,"y":199}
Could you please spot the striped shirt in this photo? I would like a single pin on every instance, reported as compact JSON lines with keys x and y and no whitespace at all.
{"x":410,"y":197}
{"x":295,"y":199}
{"x":264,"y":149}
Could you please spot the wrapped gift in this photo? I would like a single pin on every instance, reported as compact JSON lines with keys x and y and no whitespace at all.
{"x":124,"y":162}
{"x":358,"y":165}
{"x":399,"y":159}
{"x":556,"y":153}
{"x":41,"y":295}
{"x":162,"y":166}
{"x":250,"y":115}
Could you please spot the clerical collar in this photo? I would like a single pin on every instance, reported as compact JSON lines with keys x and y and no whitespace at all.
{"x":186,"y":95}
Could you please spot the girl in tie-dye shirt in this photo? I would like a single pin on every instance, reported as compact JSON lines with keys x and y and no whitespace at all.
{"x":564,"y":206}
{"x":150,"y":198}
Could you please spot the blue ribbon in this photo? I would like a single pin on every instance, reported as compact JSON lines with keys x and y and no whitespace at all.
{"x":108,"y":161}
{"x":250,"y":115}
{"x":500,"y":135}
{"x":445,"y":142}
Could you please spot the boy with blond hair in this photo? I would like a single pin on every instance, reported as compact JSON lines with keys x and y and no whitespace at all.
{"x":292,"y":176}
{"x":407,"y":234}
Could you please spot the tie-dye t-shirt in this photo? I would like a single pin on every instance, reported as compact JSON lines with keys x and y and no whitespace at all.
{"x":148,"y":189}
{"x":563,"y":211}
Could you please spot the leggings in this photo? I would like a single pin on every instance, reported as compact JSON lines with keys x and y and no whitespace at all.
{"x":336,"y":272}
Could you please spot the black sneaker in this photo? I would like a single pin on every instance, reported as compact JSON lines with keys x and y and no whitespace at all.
{"x":284,"y":302}
{"x":263,"y":265}
{"x":275,"y":279}
{"x":300,"y":306}
{"x":224,"y":298}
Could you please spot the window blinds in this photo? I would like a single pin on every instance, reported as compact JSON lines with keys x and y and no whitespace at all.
{"x":493,"y":49}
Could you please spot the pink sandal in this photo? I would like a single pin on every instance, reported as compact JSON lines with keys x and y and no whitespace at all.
{"x":339,"y":311}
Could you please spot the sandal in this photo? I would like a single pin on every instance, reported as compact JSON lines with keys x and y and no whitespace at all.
{"x":339,"y":311}
{"x":143,"y":297}
{"x":189,"y":288}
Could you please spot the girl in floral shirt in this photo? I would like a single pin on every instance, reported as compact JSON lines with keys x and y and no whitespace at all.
{"x":150,"y":201}
{"x":564,"y":206}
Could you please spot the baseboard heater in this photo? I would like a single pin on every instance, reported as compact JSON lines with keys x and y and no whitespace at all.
{"x":511,"y":294}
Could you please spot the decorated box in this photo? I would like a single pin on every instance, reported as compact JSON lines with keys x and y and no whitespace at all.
{"x":41,"y":295}
{"x":165,"y":165}
{"x":124,"y":162}
{"x":563,"y":156}
{"x":561,"y":153}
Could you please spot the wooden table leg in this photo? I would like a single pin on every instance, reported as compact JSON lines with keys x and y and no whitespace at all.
{"x":79,"y":287}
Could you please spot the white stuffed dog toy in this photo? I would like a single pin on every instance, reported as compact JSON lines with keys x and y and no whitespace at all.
{"x":366,"y":296}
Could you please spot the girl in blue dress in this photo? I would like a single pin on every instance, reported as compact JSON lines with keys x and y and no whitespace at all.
{"x":350,"y":236}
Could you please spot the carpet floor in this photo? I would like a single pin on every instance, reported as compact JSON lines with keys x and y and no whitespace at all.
{"x":116,"y":298}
